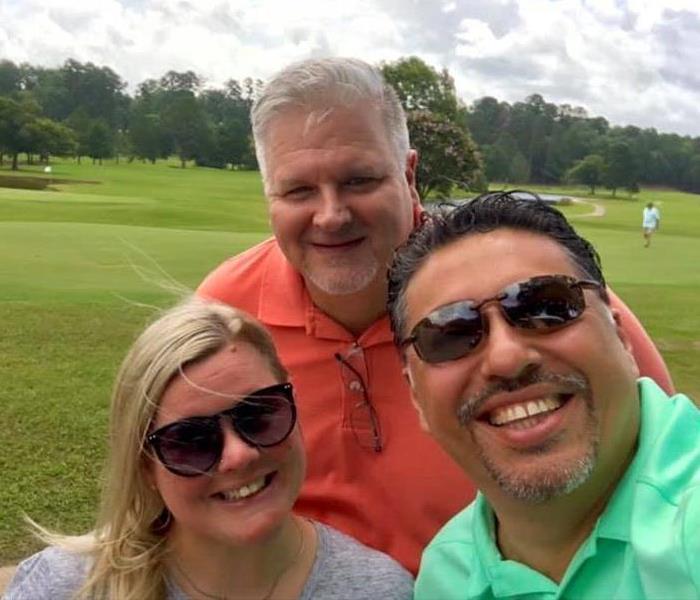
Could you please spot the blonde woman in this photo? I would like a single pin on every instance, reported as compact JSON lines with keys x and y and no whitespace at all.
{"x":205,"y":464}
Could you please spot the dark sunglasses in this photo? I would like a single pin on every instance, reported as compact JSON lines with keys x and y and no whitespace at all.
{"x":193,"y":446}
{"x":542,"y":303}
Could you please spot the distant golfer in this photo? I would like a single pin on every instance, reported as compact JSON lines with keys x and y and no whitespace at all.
{"x":650,"y":222}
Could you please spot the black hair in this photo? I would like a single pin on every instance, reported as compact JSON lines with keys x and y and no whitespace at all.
{"x":448,"y":223}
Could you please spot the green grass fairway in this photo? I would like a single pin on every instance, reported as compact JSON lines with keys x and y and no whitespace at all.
{"x":82,"y":266}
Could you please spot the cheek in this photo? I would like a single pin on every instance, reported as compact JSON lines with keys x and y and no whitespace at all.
{"x":287,"y":222}
{"x":437,"y":391}
{"x":176,"y":492}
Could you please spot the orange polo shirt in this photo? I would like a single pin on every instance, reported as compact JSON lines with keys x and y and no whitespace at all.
{"x":394,"y":500}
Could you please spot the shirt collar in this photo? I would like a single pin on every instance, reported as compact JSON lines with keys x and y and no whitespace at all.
{"x":615,"y":522}
{"x":285,"y":302}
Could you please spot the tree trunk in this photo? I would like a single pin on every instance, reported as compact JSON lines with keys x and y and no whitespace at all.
{"x":15,"y":158}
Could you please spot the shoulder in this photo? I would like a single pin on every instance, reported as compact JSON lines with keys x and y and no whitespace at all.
{"x":346,"y":569}
{"x":52,"y":573}
{"x":235,"y":278}
{"x":450,"y":563}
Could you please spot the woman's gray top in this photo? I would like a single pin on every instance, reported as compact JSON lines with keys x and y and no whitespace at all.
{"x":344,"y":569}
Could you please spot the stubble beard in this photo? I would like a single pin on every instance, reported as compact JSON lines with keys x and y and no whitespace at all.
{"x":540,"y":485}
{"x":343,"y":277}
{"x":545,"y":484}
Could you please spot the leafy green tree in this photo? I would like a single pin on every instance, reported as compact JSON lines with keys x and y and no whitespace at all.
{"x":420,"y":87}
{"x":693,"y":177}
{"x":505,"y":162}
{"x":100,"y":141}
{"x":620,"y":167}
{"x":488,"y":119}
{"x":123,"y":146}
{"x":228,"y":113}
{"x":10,"y":78}
{"x":174,"y":81}
{"x":447,"y":155}
{"x":14,"y":117}
{"x":146,"y":136}
{"x":437,"y":127}
{"x":45,"y":137}
{"x":81,"y":124}
{"x":186,"y":124}
{"x":589,"y":171}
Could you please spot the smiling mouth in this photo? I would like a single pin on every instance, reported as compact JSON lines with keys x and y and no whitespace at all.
{"x":246,"y":491}
{"x":339,"y":245}
{"x":523,"y":415}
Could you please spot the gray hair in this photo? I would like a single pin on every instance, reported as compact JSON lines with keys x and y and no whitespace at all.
{"x":319,"y":84}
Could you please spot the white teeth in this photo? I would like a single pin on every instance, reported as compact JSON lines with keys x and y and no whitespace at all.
{"x":244,"y":491}
{"x":515,"y":412}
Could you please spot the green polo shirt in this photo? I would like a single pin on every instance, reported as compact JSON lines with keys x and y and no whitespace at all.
{"x":646,"y":544}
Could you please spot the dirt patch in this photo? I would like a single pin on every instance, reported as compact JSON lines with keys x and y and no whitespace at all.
{"x":598,"y":209}
{"x":27,"y":182}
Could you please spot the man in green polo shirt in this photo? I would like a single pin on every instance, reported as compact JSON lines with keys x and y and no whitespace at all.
{"x":589,"y":478}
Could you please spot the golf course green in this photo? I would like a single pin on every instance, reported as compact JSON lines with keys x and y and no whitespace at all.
{"x":85,"y":263}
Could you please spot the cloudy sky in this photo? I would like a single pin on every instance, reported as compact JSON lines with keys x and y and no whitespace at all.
{"x":631,"y":61}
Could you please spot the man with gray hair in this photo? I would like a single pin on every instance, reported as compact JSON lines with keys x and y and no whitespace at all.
{"x":589,"y":478}
{"x":339,"y":175}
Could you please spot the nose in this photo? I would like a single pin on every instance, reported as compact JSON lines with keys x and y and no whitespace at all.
{"x":332,"y":212}
{"x":507,"y":351}
{"x":236,"y":454}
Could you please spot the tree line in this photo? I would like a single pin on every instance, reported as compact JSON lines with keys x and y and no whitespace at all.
{"x":81,"y":109}
{"x":536,"y":141}
{"x":84,"y":110}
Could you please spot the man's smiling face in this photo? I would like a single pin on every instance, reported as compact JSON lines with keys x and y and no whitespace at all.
{"x":340,"y":198}
{"x":528,"y":413}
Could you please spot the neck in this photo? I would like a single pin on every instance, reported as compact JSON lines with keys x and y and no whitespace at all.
{"x":356,"y":312}
{"x":275,"y":567}
{"x":547,"y":536}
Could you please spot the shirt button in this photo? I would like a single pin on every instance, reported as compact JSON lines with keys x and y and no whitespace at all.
{"x":355,"y":385}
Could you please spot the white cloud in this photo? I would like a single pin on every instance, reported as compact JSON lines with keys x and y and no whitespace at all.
{"x":631,"y":61}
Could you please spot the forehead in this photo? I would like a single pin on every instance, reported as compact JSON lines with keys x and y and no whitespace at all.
{"x":214,"y":383}
{"x":481,"y":265}
{"x":333,"y":135}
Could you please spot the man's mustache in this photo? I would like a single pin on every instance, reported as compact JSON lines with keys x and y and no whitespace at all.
{"x":573,"y":382}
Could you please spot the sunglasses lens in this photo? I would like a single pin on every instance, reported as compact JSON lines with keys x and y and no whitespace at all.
{"x":266,"y":417}
{"x":544,"y":302}
{"x":190,"y":448}
{"x":448,"y":334}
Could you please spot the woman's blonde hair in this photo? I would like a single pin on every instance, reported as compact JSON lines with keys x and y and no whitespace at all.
{"x":127,"y":545}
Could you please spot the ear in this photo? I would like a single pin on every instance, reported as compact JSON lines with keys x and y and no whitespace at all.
{"x":411,"y":384}
{"x":410,"y":174}
{"x":616,"y":318}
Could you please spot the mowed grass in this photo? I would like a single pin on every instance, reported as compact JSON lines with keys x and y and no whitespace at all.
{"x":82,"y":268}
